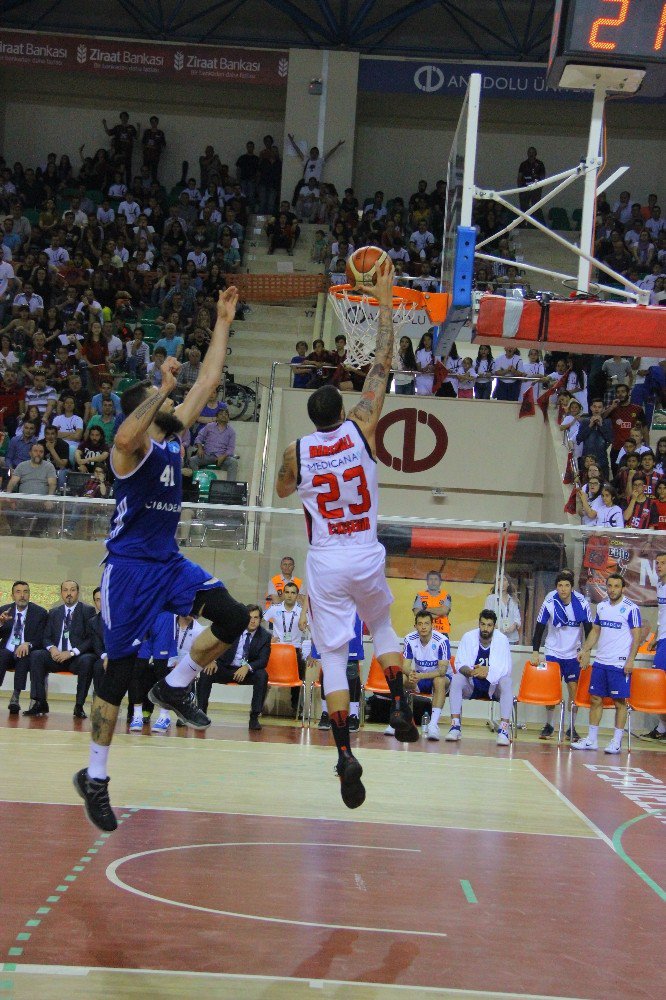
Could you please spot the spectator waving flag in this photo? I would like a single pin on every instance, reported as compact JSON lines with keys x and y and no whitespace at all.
{"x":528,"y":408}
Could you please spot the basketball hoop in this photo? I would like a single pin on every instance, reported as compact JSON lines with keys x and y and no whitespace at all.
{"x":358,"y":312}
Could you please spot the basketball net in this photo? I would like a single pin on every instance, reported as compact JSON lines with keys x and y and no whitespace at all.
{"x":358,"y":314}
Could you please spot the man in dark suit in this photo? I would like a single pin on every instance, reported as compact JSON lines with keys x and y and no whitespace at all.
{"x":22,"y":626}
{"x":243,"y":663}
{"x":97,"y":633}
{"x":68,"y":645}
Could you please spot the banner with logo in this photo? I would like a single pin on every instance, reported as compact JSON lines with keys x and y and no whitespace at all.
{"x":405,"y":76}
{"x":633,"y":558}
{"x":147,"y":60}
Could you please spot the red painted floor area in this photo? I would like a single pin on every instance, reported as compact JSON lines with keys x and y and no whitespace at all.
{"x":553,"y":914}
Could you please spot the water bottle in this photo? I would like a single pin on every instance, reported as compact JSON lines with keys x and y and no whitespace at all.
{"x":425,"y":722}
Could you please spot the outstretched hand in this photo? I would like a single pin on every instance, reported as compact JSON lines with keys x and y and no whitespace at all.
{"x":383,"y":289}
{"x":226,"y":304}
{"x":169,"y":370}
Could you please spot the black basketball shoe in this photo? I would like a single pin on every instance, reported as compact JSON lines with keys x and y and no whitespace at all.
{"x":95,"y":795}
{"x":349,"y":771}
{"x":402,"y":721}
{"x":180,"y":700}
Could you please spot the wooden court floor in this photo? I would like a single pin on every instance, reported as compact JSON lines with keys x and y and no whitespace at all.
{"x":236,"y":871}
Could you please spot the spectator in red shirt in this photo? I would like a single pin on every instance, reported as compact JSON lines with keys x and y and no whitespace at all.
{"x":649,"y":470}
{"x":660,"y":504}
{"x":623,"y":416}
{"x":641,"y":511}
{"x":11,"y":397}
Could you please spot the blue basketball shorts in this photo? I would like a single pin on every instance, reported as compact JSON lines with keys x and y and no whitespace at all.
{"x":569,"y":669}
{"x":135,"y":591}
{"x":425,"y":686}
{"x":481,"y":688}
{"x":609,"y":682}
{"x":660,"y":655}
{"x":160,"y":643}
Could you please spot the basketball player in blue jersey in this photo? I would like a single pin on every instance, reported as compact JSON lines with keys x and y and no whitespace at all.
{"x":617,"y":634}
{"x":144,"y":571}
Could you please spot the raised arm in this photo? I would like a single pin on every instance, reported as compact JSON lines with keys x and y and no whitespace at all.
{"x":131,"y":441}
{"x":333,"y":149}
{"x":212,"y":365}
{"x":287,"y":473}
{"x":367,"y":411}
{"x":297,"y":149}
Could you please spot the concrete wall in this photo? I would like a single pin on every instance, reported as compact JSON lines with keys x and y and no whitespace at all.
{"x":495,"y":467}
{"x":400,"y":139}
{"x":58,"y":112}
{"x":391,"y":140}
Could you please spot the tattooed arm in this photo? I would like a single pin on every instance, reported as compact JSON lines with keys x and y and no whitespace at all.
{"x":285,"y":484}
{"x":132,"y":441}
{"x":367,"y":411}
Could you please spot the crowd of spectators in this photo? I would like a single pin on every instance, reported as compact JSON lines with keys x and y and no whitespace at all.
{"x":104,"y":273}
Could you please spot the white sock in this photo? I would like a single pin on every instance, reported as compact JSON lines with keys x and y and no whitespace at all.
{"x":138,"y":714}
{"x":323,"y":706}
{"x":97,"y":761}
{"x":185,"y":671}
{"x":549,"y":716}
{"x":617,"y":738}
{"x":504,"y":726}
{"x":593,"y":734}
{"x":354,"y":708}
{"x":436,"y":712}
{"x":164,"y":716}
{"x":456,"y":721}
{"x":661,"y":727}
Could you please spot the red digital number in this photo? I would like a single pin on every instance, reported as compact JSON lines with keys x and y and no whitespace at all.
{"x":332,"y":493}
{"x":661,"y":31}
{"x":608,"y":22}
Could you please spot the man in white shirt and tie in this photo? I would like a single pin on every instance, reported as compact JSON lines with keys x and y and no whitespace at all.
{"x":22,"y":625}
{"x":68,"y":642}
{"x":243,"y":663}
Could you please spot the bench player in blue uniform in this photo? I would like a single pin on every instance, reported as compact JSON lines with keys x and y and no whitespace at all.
{"x":355,"y":657}
{"x":617,"y":634}
{"x":144,"y":571}
{"x":429,"y":652}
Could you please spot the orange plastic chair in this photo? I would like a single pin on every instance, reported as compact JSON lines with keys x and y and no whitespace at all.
{"x":282,"y":670}
{"x":375,"y":684}
{"x":313,"y":685}
{"x":648,"y":694}
{"x":540,"y":684}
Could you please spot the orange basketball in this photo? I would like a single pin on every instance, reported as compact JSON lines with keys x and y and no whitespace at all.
{"x":363,"y":265}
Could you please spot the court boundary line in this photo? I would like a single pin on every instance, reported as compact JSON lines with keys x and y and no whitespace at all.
{"x":85,"y":970}
{"x":114,"y":878}
{"x":579,"y":812}
{"x":614,"y":841}
{"x":311,"y":819}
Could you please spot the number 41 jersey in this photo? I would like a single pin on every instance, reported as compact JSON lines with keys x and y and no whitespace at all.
{"x":337,"y":484}
{"x":148,"y":504}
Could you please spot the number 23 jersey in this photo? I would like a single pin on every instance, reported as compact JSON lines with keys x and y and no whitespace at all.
{"x":337,"y":484}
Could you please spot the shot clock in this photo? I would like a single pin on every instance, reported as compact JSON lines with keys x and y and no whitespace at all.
{"x":629,"y":34}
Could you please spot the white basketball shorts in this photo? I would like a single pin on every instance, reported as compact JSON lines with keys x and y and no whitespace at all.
{"x":340,"y":584}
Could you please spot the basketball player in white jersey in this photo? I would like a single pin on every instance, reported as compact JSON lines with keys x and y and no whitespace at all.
{"x":334,"y":471}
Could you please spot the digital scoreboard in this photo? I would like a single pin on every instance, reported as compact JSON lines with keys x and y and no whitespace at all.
{"x":628,"y":34}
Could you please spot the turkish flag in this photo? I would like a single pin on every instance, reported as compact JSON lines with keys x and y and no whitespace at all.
{"x":527,"y":408}
{"x":570,"y":471}
{"x":570,"y":505}
{"x":544,"y":398}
